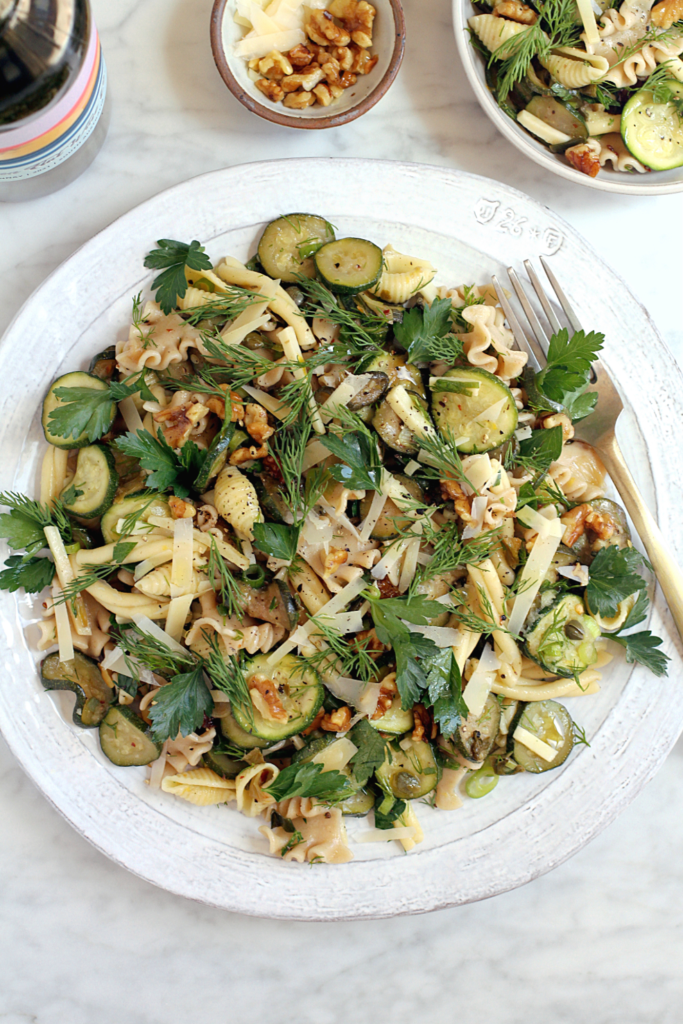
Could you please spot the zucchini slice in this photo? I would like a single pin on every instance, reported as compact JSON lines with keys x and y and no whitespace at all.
{"x":273,"y":603}
{"x":216,"y":457}
{"x":349,"y":265}
{"x":397,"y":370}
{"x":653,"y":132}
{"x":237,"y":735}
{"x":475,"y":737}
{"x":361,"y":800}
{"x":125,"y":739}
{"x":151,"y":504}
{"x":77,"y":379}
{"x":371,"y":393}
{"x":103,"y":365}
{"x":223,"y":765}
{"x":551,"y":723}
{"x":394,"y":720}
{"x":391,"y":521}
{"x":359,"y":803}
{"x":479,"y":413}
{"x":409,"y":771}
{"x":93,"y":487}
{"x":558,"y":116}
{"x":300,"y":693}
{"x":271,"y":498}
{"x":83,"y":677}
{"x":563,"y":638}
{"x":287,"y":245}
{"x":393,"y":430}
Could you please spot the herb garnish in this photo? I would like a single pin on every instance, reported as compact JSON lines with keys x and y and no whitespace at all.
{"x":309,"y":780}
{"x":168,"y":470}
{"x":174,"y":256}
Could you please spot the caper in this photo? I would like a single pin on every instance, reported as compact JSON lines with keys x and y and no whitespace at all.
{"x":405,"y":785}
{"x":574,"y":630}
{"x":296,"y":295}
{"x":254,"y":340}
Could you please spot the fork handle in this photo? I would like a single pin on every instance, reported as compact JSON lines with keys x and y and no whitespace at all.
{"x":668,"y":574}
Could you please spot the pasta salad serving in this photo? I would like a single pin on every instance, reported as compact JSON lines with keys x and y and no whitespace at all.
{"x":315,"y":541}
{"x":605,"y":91}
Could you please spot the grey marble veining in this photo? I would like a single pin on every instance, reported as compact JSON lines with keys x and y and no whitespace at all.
{"x":84,"y":942}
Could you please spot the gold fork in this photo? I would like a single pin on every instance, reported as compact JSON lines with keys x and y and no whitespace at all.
{"x":599,"y":428}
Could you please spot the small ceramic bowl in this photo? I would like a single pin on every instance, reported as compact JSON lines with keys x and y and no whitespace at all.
{"x":628,"y":183}
{"x":388,"y":41}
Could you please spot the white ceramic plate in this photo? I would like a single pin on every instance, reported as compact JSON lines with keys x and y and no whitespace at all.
{"x":651,"y":184}
{"x":469,"y":227}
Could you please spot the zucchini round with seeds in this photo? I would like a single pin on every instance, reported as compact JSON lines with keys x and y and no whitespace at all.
{"x":103,"y":365}
{"x":216,"y":456}
{"x":397,"y":370}
{"x":94,"y":485}
{"x":394,"y":720}
{"x":223,"y":765}
{"x":563,"y":638}
{"x":408,"y":772}
{"x":349,"y":265}
{"x":287,"y":245}
{"x":371,"y":392}
{"x":474,"y":408}
{"x":51,"y":403}
{"x":551,"y":723}
{"x":125,"y":738}
{"x":359,"y":803}
{"x":653,"y":132}
{"x":291,"y":691}
{"x":83,"y":677}
{"x":145,"y":502}
{"x":237,"y":735}
{"x":391,"y":522}
{"x":475,"y":737}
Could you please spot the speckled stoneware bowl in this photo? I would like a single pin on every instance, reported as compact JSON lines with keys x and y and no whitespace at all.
{"x":469,"y":227}
{"x":653,"y":183}
{"x":389,"y":33}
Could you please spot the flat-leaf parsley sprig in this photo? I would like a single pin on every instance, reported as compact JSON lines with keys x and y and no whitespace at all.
{"x":171,"y":258}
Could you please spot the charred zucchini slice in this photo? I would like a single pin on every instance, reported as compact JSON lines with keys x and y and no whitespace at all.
{"x":216,"y":457}
{"x":83,"y":677}
{"x":103,"y":365}
{"x":146,"y":503}
{"x":287,"y":245}
{"x":239,"y":736}
{"x":476,"y":735}
{"x":125,"y":739}
{"x":558,"y":116}
{"x":397,"y":370}
{"x":550,"y":723}
{"x":563,"y":638}
{"x":297,"y":689}
{"x":393,"y":430}
{"x":78,"y":379}
{"x":271,"y":498}
{"x":349,"y":265}
{"x":273,"y":603}
{"x":371,"y":393}
{"x":94,"y":485}
{"x":408,"y":771}
{"x":474,"y":408}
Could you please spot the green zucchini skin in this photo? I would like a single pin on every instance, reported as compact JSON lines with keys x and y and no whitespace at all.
{"x":394,"y":720}
{"x":83,"y":678}
{"x":653,"y":132}
{"x":456,"y":415}
{"x":286,"y":246}
{"x":273,"y":603}
{"x":223,"y":765}
{"x":103,"y":365}
{"x":77,"y":379}
{"x":216,"y":457}
{"x":408,"y":773}
{"x":349,"y":265}
{"x":393,"y":430}
{"x":239,"y":736}
{"x":271,"y":498}
{"x":156,"y":506}
{"x":299,"y":690}
{"x":397,"y":370}
{"x":125,"y":739}
{"x":551,"y":723}
{"x":476,"y":735}
{"x":562,"y":638}
{"x":96,"y":478}
{"x":371,"y":393}
{"x":558,"y":116}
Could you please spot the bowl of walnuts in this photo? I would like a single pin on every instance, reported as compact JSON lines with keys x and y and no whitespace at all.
{"x":308,"y":65}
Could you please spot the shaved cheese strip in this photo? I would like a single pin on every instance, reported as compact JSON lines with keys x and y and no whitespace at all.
{"x":268,"y":402}
{"x":342,"y":395}
{"x":142,"y":568}
{"x":181,"y":569}
{"x":479,"y":472}
{"x":402,"y":404}
{"x":492,"y":412}
{"x":534,"y":572}
{"x":131,"y":416}
{"x":290,"y":345}
{"x":537,"y":521}
{"x":64,"y":638}
{"x":337,"y":755}
{"x":338,"y":517}
{"x":385,"y":835}
{"x":409,"y":564}
{"x":374,"y":512}
{"x":443,"y":636}
{"x":177,"y":613}
{"x":345,"y":622}
{"x":354,"y":692}
{"x":258,"y":46}
{"x":479,"y":685}
{"x":478,"y":510}
{"x":334,"y":605}
{"x":315,"y":452}
{"x":117,"y":661}
{"x":65,"y":576}
{"x":541,"y":129}
{"x":203,"y":541}
{"x":388,"y":561}
{"x":147,"y":626}
{"x":533,"y":743}
{"x":412,"y":467}
{"x":589,"y":23}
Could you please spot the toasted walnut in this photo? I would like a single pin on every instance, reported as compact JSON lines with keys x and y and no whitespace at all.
{"x":451,"y":490}
{"x":515,"y":11}
{"x":269,"y":703}
{"x":574,"y":522}
{"x":666,"y":13}
{"x":181,"y":509}
{"x":347,"y":80}
{"x":300,"y":56}
{"x":272,"y":90}
{"x":331,"y":71}
{"x":253,"y":64}
{"x":216,"y":405}
{"x":374,"y":645}
{"x":357,"y":18}
{"x":307,"y":80}
{"x":323,"y":95}
{"x":275,"y":65}
{"x":333,"y":559}
{"x":343,"y":54}
{"x":299,"y":100}
{"x":423,"y":723}
{"x":177,"y":421}
{"x":387,"y":692}
{"x":256,"y":422}
{"x":585,"y":157}
{"x":336,"y":91}
{"x":241,"y":455}
{"x":236,"y":404}
{"x":602,"y":526}
{"x":321,"y":27}
{"x":315,"y":724}
{"x":362,"y":62}
{"x":560,"y":419}
{"x":337,"y":721}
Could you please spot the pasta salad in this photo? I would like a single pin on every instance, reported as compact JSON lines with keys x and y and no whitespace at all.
{"x":604,"y":92}
{"x":316,"y":542}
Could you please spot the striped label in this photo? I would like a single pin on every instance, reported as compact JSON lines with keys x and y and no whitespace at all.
{"x":51,"y":138}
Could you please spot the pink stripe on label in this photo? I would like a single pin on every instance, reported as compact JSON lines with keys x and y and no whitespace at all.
{"x":50,"y":118}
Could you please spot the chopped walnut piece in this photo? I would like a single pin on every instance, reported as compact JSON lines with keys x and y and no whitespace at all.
{"x":177,"y":421}
{"x":374,"y":645}
{"x":241,"y":455}
{"x":666,"y":13}
{"x":307,"y":80}
{"x":216,"y":405}
{"x":331,"y":71}
{"x":256,"y":422}
{"x":270,"y":704}
{"x":424,"y":726}
{"x":315,"y":724}
{"x":321,"y":27}
{"x":323,"y":95}
{"x":275,"y":65}
{"x":362,"y":62}
{"x":274,"y":92}
{"x":337,"y":721}
{"x":343,"y":54}
{"x":514,"y":10}
{"x":585,"y":157}
{"x":574,"y":522}
{"x":357,"y":18}
{"x":336,"y":91}
{"x":181,"y":509}
{"x":451,"y":490}
{"x":333,"y":559}
{"x":300,"y":56}
{"x":347,"y":80}
{"x":299,"y":100}
{"x":387,"y":692}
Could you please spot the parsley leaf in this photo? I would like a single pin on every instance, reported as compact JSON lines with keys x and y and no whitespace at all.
{"x":426,"y":333}
{"x":417,"y":609}
{"x":33,"y":574}
{"x":180,"y":706}
{"x":370,"y":753}
{"x":363,"y":469}
{"x":174,"y":257}
{"x":444,"y":684}
{"x":541,"y":449}
{"x":642,"y":647}
{"x":277,"y":539}
{"x":90,"y":411}
{"x":127,"y":683}
{"x":23,"y":526}
{"x":21,"y":532}
{"x":579,"y":404}
{"x":167,"y":470}
{"x":613,"y":578}
{"x":309,"y":780}
{"x":386,"y":819}
{"x":408,"y":646}
{"x":569,"y":363}
{"x":638,"y":612}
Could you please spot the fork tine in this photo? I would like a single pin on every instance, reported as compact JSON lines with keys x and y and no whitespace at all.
{"x":563,"y":300}
{"x":534,"y":322}
{"x":542,"y":297}
{"x":524,"y":344}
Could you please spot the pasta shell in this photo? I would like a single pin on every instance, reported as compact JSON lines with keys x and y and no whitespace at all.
{"x":493,"y":31}
{"x":402,"y":275}
{"x":200,"y":787}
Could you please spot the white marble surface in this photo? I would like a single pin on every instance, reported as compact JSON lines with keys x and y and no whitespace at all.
{"x":82,"y":941}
